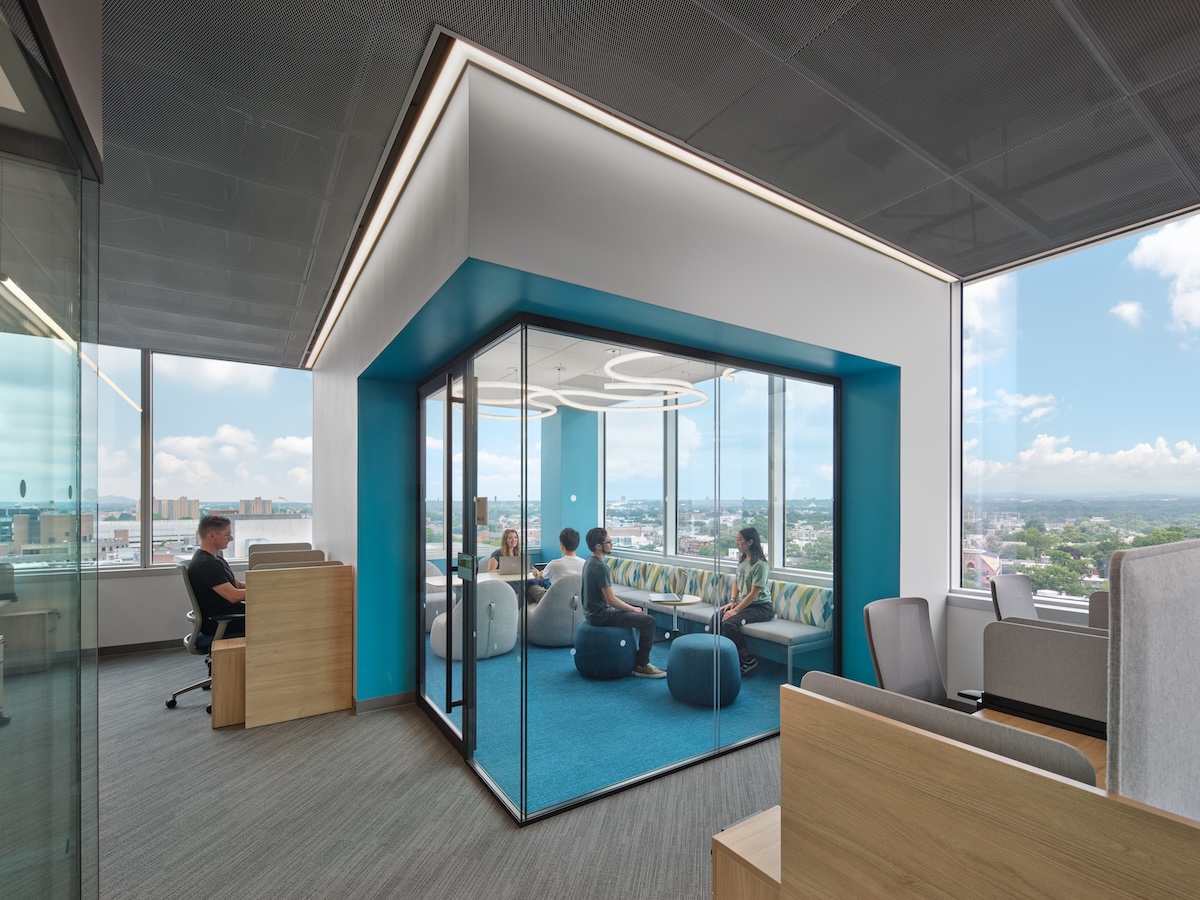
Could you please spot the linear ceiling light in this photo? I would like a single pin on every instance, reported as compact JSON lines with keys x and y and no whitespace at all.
{"x":462,"y":54}
{"x":17,"y":298}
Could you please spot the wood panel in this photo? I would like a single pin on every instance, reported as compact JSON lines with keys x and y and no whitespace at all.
{"x":228,"y":682}
{"x":745,"y":859}
{"x":299,"y":642}
{"x":874,"y":808}
{"x":1094,"y":748}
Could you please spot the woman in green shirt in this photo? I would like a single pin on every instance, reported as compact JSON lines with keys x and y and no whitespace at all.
{"x":750,"y":599}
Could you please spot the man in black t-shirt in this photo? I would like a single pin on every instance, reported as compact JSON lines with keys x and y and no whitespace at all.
{"x":604,"y":608}
{"x":217,"y":590}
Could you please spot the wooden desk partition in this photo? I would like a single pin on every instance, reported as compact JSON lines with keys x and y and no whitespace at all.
{"x":745,"y":859}
{"x":228,"y":682}
{"x":299,"y":642}
{"x":875,"y":808}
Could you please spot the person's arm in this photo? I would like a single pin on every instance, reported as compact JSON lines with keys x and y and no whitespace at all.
{"x":230,"y":592}
{"x":616,"y":602}
{"x":735,"y":607}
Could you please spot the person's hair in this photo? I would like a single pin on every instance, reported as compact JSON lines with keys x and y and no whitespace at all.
{"x":594,"y":537}
{"x":569,"y":538}
{"x":209,"y":524}
{"x":753,"y":544}
{"x":504,"y":551}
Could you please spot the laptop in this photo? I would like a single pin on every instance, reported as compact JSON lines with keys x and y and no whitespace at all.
{"x":514,"y":565}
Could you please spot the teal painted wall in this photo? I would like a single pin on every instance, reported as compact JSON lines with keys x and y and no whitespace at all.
{"x":579,"y":470}
{"x":390,"y":558}
{"x":870,"y":507}
{"x":479,"y":298}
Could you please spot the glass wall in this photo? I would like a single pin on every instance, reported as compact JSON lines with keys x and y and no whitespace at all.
{"x":1079,"y":437}
{"x":673,"y":455}
{"x":47,"y":559}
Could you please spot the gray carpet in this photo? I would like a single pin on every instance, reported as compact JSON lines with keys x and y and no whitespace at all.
{"x":371,"y":806}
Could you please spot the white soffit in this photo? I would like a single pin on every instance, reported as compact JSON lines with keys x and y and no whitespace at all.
{"x":462,"y":55}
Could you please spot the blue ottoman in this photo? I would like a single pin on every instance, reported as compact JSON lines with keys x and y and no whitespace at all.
{"x":693,"y":663}
{"x":603,"y":652}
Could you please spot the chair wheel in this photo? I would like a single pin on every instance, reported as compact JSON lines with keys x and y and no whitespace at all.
{"x":4,"y":720}
{"x":171,"y":703}
{"x":207,"y":687}
{"x":208,"y":709}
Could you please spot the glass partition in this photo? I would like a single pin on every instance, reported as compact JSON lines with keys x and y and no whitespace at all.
{"x":688,"y":464}
{"x":47,"y":555}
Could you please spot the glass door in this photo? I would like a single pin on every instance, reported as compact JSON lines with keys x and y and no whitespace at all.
{"x":446,"y":613}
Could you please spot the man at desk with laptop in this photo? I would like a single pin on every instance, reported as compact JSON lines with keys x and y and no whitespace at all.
{"x":217,"y":589}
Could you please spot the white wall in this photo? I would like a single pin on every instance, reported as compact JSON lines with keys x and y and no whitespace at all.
{"x":555,"y":195}
{"x":424,"y":242}
{"x":144,"y":606}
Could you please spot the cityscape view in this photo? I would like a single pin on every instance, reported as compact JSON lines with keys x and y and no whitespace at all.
{"x":705,"y":529}
{"x":1078,"y":438}
{"x":1064,"y":546}
{"x":33,"y":535}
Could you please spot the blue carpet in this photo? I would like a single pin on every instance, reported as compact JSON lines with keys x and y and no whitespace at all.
{"x":586,"y":735}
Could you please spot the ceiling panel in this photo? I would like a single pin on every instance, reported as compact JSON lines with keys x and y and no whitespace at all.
{"x":242,"y":136}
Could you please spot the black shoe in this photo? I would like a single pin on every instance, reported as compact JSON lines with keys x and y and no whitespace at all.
{"x":749,"y":664}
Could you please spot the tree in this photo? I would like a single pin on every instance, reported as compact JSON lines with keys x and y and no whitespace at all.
{"x":1055,"y":578}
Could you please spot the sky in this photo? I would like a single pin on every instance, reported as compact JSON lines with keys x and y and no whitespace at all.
{"x":222,"y":431}
{"x":1081,"y":374}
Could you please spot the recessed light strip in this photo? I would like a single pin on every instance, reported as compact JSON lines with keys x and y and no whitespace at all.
{"x":461,"y":55}
{"x":15,"y":292}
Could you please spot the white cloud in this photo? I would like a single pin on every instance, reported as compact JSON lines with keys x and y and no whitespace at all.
{"x":1030,"y":407}
{"x":1171,"y":252}
{"x":170,"y":469}
{"x":238,"y":437}
{"x":300,"y":476}
{"x":290,"y":446}
{"x":432,"y":443}
{"x":1130,"y":312}
{"x":210,"y":375}
{"x":988,"y":310}
{"x":1051,"y":464}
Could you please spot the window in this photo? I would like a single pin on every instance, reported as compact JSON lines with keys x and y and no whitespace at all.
{"x":758,"y":451}
{"x":808,"y":474}
{"x":1078,"y":435}
{"x":119,"y":464}
{"x":228,"y":438}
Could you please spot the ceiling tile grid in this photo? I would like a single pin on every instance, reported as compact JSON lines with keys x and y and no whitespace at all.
{"x":242,"y":136}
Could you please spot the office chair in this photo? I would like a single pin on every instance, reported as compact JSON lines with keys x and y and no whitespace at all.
{"x":903,"y":654}
{"x":1012,"y":597}
{"x":197,"y":643}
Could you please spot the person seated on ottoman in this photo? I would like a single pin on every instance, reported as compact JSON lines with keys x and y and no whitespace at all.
{"x":603,"y":608}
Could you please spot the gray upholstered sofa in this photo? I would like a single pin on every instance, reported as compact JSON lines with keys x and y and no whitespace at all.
{"x":803,"y":620}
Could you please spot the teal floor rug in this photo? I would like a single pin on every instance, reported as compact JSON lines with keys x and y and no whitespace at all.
{"x":584,"y":736}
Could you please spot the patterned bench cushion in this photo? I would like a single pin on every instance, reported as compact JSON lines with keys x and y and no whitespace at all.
{"x":803,"y":603}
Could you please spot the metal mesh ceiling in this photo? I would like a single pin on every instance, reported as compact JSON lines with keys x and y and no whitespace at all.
{"x":242,"y":136}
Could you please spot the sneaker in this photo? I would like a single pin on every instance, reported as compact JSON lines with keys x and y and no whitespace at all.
{"x":649,"y":671}
{"x":749,"y":664}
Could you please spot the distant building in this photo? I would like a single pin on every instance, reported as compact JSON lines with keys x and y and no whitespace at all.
{"x":984,"y":565}
{"x":182,"y":508}
{"x":256,"y":507}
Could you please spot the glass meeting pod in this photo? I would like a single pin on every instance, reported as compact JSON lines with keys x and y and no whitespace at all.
{"x":551,"y":430}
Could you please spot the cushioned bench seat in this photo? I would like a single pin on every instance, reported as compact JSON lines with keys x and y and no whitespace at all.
{"x":803,"y":620}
